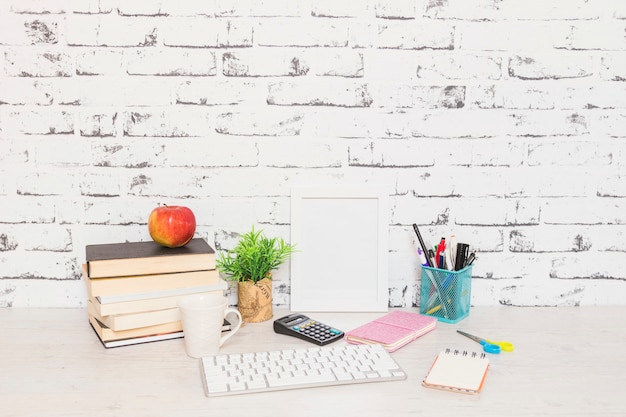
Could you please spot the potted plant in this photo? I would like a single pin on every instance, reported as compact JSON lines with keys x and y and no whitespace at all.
{"x":250,"y":264}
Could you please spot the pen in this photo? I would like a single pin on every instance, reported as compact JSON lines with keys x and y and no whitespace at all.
{"x":470,"y":259}
{"x":431,"y":256}
{"x":422,"y":244}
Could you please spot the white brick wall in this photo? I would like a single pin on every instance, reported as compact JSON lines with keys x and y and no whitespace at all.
{"x":503,"y":122}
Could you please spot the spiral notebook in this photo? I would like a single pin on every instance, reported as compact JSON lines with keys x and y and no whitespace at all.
{"x":458,"y":370}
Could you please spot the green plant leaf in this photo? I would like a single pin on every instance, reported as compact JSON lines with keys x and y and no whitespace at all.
{"x":254,"y":257}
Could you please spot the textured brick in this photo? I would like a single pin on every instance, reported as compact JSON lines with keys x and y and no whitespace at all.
{"x":589,"y":211}
{"x":211,"y":152}
{"x":408,"y":34}
{"x":329,"y":33}
{"x":551,"y":240}
{"x":398,"y":9}
{"x":206,"y":32}
{"x":459,"y":67}
{"x":331,"y":8}
{"x":174,"y":61}
{"x":101,"y":184}
{"x":129,"y":91}
{"x":100,"y":62}
{"x":60,"y":151}
{"x":605,"y":266}
{"x":184,"y":8}
{"x":141,"y":8}
{"x":44,"y":121}
{"x":461,"y":123}
{"x":275,"y":8}
{"x":264,"y":63}
{"x":175,"y":122}
{"x":552,"y":10}
{"x":597,"y":35}
{"x":213,"y":91}
{"x":20,"y":91}
{"x":37,"y":63}
{"x":546,"y":123}
{"x":49,"y":266}
{"x":610,"y":125}
{"x":571,"y":153}
{"x":32,"y":210}
{"x":566,"y":181}
{"x":286,"y":153}
{"x":348,"y":123}
{"x":499,"y":212}
{"x":274,"y":123}
{"x":612,"y":187}
{"x":613,"y":67}
{"x":336,"y":63}
{"x":511,"y":35}
{"x":100,"y":124}
{"x":325,"y":93}
{"x":88,"y":30}
{"x":127,"y":153}
{"x":510,"y":96}
{"x":243,"y":211}
{"x":461,"y":9}
{"x":551,"y":66}
{"x":417,"y":96}
{"x":38,"y":7}
{"x":93,"y":7}
{"x":29,"y":32}
{"x":480,"y":10}
{"x":171,"y":184}
{"x":391,"y":153}
{"x":127,"y":210}
{"x":36,"y":237}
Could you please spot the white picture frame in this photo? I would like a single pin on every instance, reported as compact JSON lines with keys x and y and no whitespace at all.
{"x":341,"y":259}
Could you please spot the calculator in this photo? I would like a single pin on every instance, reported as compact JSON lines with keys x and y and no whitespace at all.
{"x":303,"y":327}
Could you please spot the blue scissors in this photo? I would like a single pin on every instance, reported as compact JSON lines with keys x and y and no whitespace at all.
{"x":490,"y":346}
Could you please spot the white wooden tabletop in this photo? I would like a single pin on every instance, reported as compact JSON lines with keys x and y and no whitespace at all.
{"x":568,"y":361}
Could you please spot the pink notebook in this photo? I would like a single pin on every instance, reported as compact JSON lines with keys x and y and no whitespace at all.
{"x":393,"y":330}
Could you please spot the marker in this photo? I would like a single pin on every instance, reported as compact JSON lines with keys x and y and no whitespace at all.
{"x":440,"y":248}
{"x":452,"y":251}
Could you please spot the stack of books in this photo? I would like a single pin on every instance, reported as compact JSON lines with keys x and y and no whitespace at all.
{"x":133,"y":288}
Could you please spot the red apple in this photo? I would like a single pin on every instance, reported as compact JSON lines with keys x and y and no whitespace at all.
{"x":172,"y":226}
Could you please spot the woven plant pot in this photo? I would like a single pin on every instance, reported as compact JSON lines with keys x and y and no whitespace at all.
{"x":254,"y":301}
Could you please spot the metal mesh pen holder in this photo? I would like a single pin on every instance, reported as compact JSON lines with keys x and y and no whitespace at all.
{"x":446,"y":294}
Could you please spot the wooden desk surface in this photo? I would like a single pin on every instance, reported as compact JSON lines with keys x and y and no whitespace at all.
{"x":567,"y":362}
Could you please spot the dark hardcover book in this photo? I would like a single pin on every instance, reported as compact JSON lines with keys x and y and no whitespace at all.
{"x":167,"y":331}
{"x":143,"y":258}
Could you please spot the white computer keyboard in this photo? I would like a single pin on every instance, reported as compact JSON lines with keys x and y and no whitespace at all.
{"x":315,"y":366}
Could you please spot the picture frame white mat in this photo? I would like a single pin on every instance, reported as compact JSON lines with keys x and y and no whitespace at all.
{"x":341,"y":259}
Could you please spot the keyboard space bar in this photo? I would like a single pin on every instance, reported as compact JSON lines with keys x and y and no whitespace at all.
{"x":300,"y":381}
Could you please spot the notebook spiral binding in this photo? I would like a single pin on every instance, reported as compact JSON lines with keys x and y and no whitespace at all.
{"x":449,"y":351}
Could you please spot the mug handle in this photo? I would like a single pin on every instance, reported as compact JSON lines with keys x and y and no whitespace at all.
{"x":232,"y":331}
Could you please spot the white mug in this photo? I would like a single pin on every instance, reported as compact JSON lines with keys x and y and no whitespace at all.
{"x":203,"y":316}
